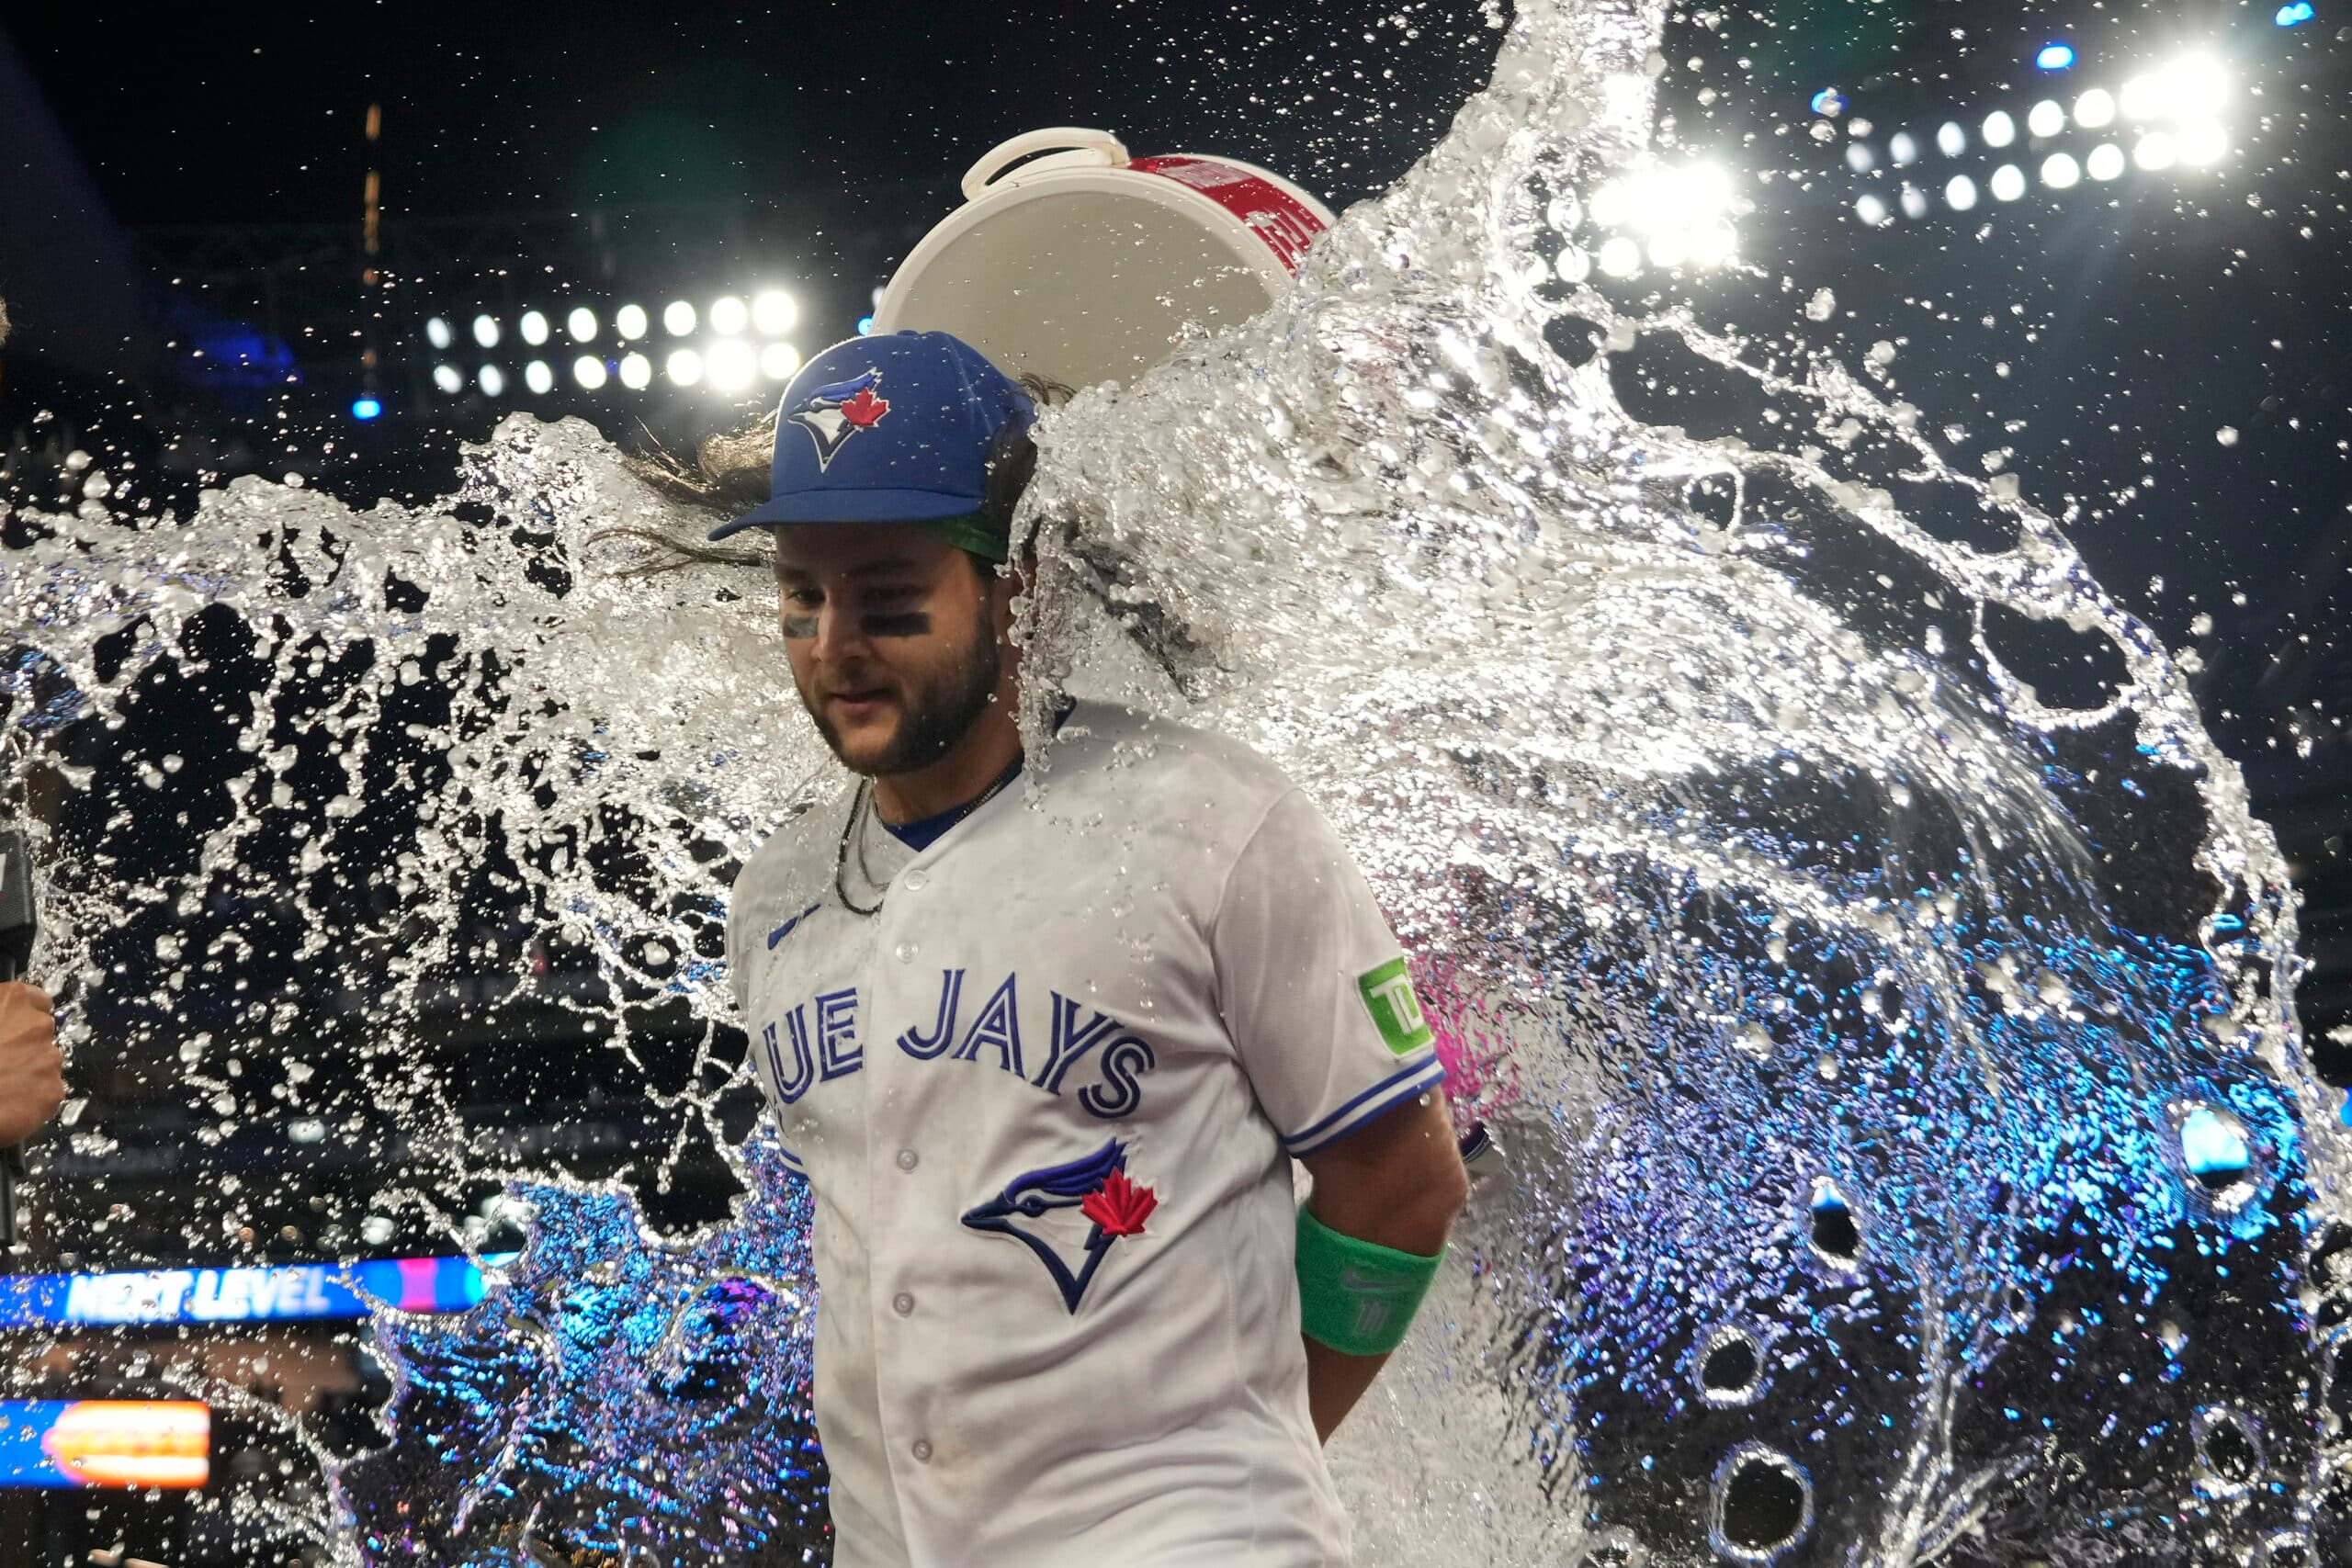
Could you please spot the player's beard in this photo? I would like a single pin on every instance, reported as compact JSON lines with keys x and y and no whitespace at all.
{"x":935,"y":713}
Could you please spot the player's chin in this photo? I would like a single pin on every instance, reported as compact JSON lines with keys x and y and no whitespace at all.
{"x":865,"y":735}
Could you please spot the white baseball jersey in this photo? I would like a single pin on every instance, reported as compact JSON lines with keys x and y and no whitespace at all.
{"x":1045,"y":1096}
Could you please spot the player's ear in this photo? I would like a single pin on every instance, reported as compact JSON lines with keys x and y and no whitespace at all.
{"x":1003,"y":588}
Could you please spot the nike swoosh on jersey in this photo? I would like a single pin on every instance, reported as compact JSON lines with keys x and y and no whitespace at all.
{"x":785,"y":930}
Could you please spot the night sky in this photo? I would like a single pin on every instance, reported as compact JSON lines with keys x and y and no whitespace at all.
{"x":497,"y":108}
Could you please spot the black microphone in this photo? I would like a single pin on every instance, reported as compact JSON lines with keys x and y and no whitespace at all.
{"x":20,"y":924}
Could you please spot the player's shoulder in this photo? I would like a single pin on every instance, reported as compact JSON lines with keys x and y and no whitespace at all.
{"x":796,"y":862}
{"x":1131,"y":751}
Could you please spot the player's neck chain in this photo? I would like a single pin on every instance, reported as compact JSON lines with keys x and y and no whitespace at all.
{"x":855,"y":828}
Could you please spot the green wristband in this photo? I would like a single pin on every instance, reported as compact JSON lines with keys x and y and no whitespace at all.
{"x":1357,"y":1297}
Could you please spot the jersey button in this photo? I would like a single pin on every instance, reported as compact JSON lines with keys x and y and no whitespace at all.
{"x":906,"y":952}
{"x":908,"y":1159}
{"x":914,"y":880}
{"x":903,"y":1304}
{"x":923,"y":1451}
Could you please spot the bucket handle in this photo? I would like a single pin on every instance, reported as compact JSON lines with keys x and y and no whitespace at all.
{"x":1106,"y":149}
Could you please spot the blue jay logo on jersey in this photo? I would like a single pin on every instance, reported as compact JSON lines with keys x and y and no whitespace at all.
{"x":833,"y":414}
{"x":1097,"y":1186}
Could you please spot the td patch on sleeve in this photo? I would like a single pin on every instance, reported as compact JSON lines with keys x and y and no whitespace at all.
{"x":1387,"y":994}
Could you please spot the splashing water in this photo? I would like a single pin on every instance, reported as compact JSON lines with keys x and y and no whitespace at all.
{"x":613,"y":1393}
{"x":1913,"y":1155}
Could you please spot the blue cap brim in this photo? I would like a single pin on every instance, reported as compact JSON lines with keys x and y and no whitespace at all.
{"x":852,"y":506}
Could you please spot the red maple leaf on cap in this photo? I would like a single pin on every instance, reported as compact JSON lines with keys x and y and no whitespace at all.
{"x":1119,"y":1206}
{"x":863,"y":410}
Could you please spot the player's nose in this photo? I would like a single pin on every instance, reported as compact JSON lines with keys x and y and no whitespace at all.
{"x":840,"y":634}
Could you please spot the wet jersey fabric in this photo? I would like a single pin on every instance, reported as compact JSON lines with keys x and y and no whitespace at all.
{"x":1045,"y":1097}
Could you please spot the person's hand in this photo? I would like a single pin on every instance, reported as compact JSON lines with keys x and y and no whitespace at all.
{"x":32,"y":1070}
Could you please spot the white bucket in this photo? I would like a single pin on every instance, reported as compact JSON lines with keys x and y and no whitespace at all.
{"x":1088,"y":266}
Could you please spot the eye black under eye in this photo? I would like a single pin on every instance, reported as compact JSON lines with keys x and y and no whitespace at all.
{"x":884,"y":623}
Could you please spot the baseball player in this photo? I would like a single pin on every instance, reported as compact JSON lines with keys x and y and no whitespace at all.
{"x":1045,"y":1057}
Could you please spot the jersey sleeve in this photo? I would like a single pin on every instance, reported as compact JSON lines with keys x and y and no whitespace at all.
{"x":1313,"y":984}
{"x":738,"y":962}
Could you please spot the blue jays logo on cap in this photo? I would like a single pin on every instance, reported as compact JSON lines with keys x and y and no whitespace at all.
{"x":946,"y":408}
{"x":832,"y":414}
{"x":1096,"y":1186}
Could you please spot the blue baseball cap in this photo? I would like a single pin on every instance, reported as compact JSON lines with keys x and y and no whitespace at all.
{"x":892,"y":429}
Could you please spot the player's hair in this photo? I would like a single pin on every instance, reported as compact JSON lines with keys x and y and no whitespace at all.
{"x":731,"y":474}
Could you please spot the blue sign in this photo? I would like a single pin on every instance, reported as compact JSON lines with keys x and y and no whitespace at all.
{"x":2296,"y":14}
{"x":285,"y":1293}
{"x":2055,"y":56}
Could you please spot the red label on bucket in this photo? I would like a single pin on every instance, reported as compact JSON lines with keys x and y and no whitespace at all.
{"x":1274,"y":215}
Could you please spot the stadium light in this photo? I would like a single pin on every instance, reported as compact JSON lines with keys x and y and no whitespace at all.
{"x":1684,"y":212}
{"x":2105,"y":163}
{"x":2155,"y":150}
{"x":678,"y":318}
{"x":2193,"y":86}
{"x":2046,"y":118}
{"x":1903,"y":148}
{"x":2007,"y":183}
{"x":1915,"y":201}
{"x":449,"y":379}
{"x":581,"y":325}
{"x":2060,"y":172}
{"x":1951,"y":141}
{"x":1999,"y":129}
{"x":630,"y":322}
{"x":1870,"y":208}
{"x":1860,"y":157}
{"x":730,"y":363}
{"x":589,"y":371}
{"x":685,"y":367}
{"x":534,"y":328}
{"x":538,"y":378}
{"x":436,"y":332}
{"x":2095,"y":109}
{"x":778,"y":361}
{"x":637,"y":372}
{"x":1959,"y":194}
{"x":1620,"y":258}
{"x":773,"y":312}
{"x":2199,"y":84}
{"x":486,"y":331}
{"x":728,"y":315}
{"x":2203,"y":142}
{"x":492,"y":380}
